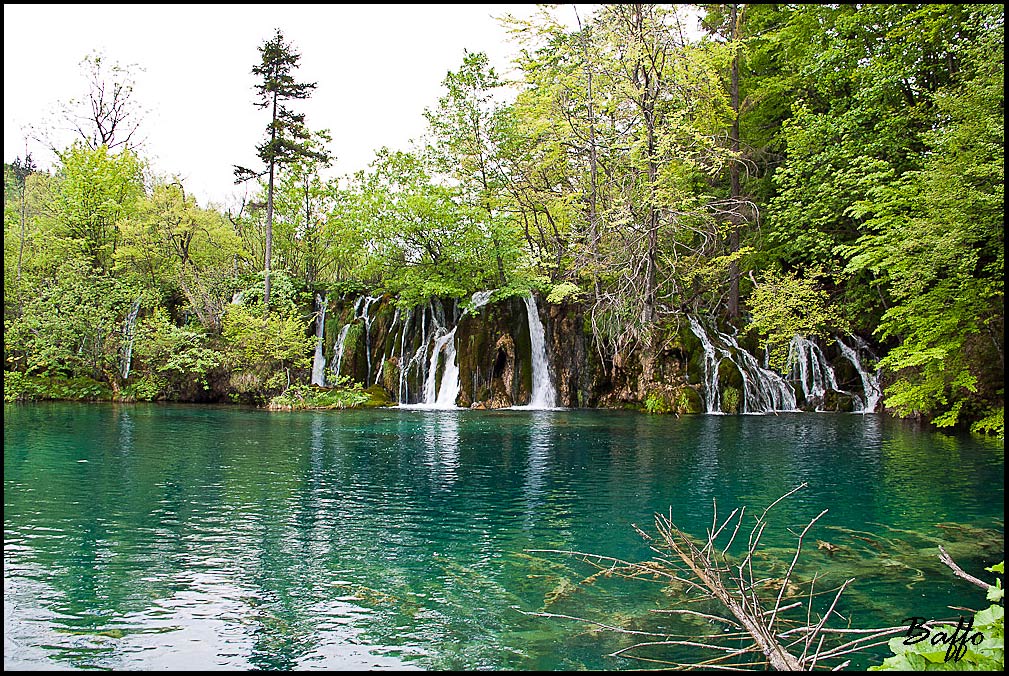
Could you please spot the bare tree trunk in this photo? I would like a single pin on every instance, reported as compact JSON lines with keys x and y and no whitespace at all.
{"x":734,"y":169}
{"x":593,"y":162}
{"x":269,"y":241}
{"x":269,"y":216}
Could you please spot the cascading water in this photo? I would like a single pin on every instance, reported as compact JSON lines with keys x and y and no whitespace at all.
{"x":544,"y":395}
{"x":319,"y":361}
{"x":401,"y":394}
{"x":367,"y":337}
{"x":870,"y":383}
{"x":449,"y":390}
{"x":128,"y":333}
{"x":429,"y":354}
{"x":361,"y":306}
{"x":419,"y":358}
{"x":429,"y":371}
{"x":808,"y":366}
{"x":338,"y":350}
{"x":712,"y":358}
{"x":764,"y":391}
{"x":443,"y":397}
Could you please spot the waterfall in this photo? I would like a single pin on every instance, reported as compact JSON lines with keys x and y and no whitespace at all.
{"x":319,"y":361}
{"x":808,"y":365}
{"x":434,"y":396}
{"x":444,"y":396}
{"x":367,"y":337}
{"x":360,"y":311}
{"x":338,"y":349}
{"x":870,"y":384}
{"x":128,"y":333}
{"x":402,"y":394}
{"x":764,"y":391}
{"x":712,"y":403}
{"x":418,"y":359}
{"x":543,"y":395}
{"x":449,"y":390}
{"x":428,"y":354}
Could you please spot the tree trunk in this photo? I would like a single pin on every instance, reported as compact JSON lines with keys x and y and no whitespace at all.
{"x":269,"y":242}
{"x":269,"y":216}
{"x":310,"y":234}
{"x":734,"y":171}
{"x":21,"y":244}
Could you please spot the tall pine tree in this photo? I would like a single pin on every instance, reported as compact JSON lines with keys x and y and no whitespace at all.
{"x":287,"y":138}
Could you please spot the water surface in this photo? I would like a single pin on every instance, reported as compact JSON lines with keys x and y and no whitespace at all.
{"x":174,"y":536}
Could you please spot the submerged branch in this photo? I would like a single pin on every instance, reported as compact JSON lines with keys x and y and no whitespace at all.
{"x":768,"y":613}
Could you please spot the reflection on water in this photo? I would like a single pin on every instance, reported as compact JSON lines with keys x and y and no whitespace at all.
{"x":537,"y":465}
{"x":441,"y":446}
{"x":237,"y":538}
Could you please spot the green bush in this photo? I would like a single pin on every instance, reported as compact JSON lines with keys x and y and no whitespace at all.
{"x":304,"y":397}
{"x":993,"y":423}
{"x":657,"y":403}
{"x":730,"y":400}
{"x":20,"y":387}
{"x":146,"y":388}
{"x":986,"y":655}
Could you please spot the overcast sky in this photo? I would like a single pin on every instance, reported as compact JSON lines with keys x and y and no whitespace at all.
{"x":377,"y":68}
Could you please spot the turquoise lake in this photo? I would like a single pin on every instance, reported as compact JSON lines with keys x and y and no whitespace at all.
{"x":185,"y":537}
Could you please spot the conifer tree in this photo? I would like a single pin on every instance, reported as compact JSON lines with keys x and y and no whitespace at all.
{"x":287,"y":138}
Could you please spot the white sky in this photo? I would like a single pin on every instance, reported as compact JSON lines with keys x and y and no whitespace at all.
{"x":377,"y":68}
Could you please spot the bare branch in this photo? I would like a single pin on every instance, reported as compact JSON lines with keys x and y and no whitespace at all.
{"x":958,"y":571}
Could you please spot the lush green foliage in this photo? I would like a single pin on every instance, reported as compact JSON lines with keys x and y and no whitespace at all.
{"x":983,"y":654}
{"x":800,"y":169}
{"x":783,"y":306}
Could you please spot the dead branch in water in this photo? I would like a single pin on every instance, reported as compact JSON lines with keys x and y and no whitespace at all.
{"x":958,"y":571}
{"x":780,"y":632}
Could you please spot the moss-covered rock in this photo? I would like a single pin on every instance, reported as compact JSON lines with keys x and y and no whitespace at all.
{"x":841,"y":402}
{"x":687,"y":400}
{"x":494,"y":356}
{"x":378,"y":396}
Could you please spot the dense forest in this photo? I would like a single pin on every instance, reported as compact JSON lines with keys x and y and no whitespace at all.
{"x":800,"y":169}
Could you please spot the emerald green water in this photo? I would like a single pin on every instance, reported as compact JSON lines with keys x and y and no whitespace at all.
{"x":153,"y":536}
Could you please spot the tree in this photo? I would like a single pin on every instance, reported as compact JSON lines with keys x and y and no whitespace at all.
{"x":96,"y":190}
{"x":22,"y":170}
{"x":302,"y":199}
{"x":413,"y":237}
{"x":107,"y":115}
{"x":463,"y":127}
{"x":893,"y":185}
{"x":613,"y":134}
{"x":170,"y":242}
{"x":726,"y":22}
{"x":287,"y":137}
{"x":936,"y":236}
